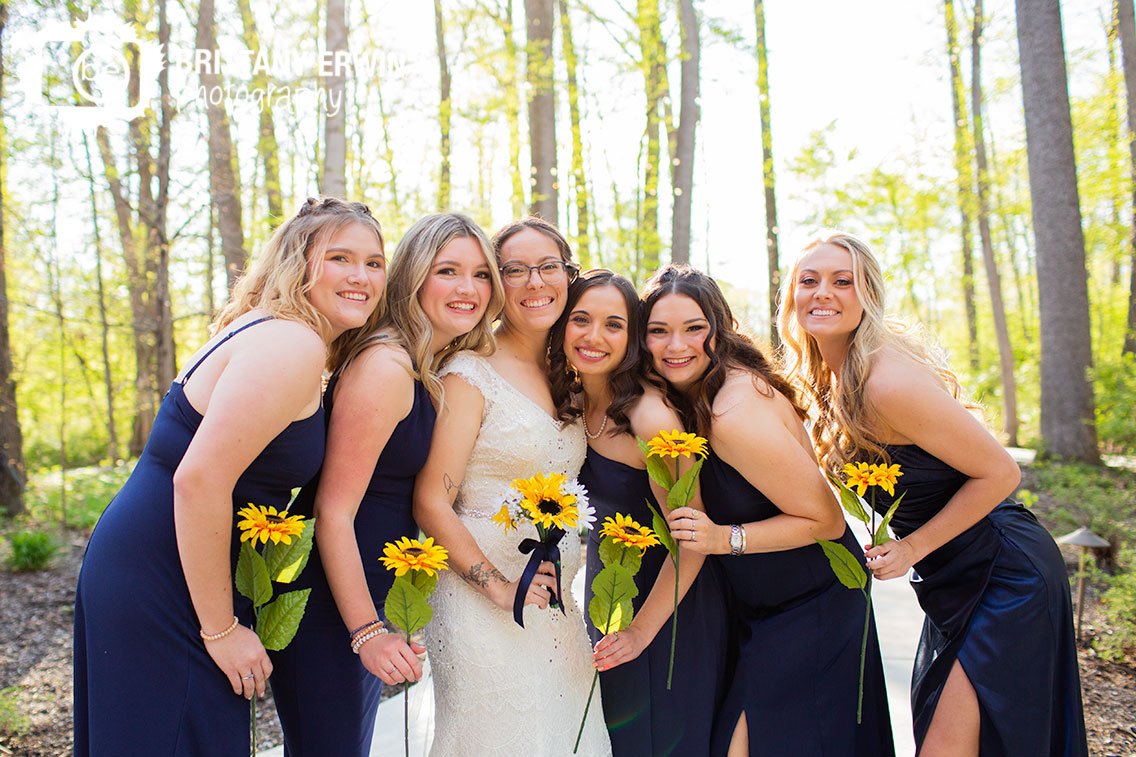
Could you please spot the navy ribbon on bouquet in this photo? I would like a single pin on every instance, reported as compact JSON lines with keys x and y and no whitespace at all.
{"x":545,"y":548}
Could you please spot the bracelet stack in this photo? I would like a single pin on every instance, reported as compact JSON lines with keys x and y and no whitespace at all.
{"x":365,"y":633}
{"x":222,"y":634}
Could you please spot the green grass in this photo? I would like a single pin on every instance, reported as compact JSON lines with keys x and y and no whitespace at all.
{"x":13,"y":721}
{"x":89,"y":491}
{"x":30,"y":550}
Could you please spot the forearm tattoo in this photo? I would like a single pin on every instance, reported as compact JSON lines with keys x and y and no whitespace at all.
{"x":481,"y":573}
{"x":451,"y":487}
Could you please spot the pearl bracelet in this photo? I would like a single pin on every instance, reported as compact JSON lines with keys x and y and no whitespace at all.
{"x":363,"y":638}
{"x":215,"y":636}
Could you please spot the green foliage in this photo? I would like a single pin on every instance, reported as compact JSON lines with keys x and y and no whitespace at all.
{"x":13,"y":721}
{"x":285,"y":561}
{"x":1119,"y":607}
{"x":1102,"y":499}
{"x":881,"y":534}
{"x":613,"y":588}
{"x":1115,"y":387}
{"x":252,"y":576}
{"x":844,"y":564}
{"x":657,"y":467}
{"x":663,"y":531}
{"x":31,"y":550}
{"x":89,"y":491}
{"x":1026,"y":497}
{"x":683,"y":491}
{"x":406,"y":606}
{"x":614,"y":553}
{"x":277,"y":621}
{"x":850,"y":501}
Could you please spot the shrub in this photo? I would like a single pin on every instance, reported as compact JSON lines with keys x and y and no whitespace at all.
{"x":1102,"y":499}
{"x":31,"y":550}
{"x":1118,"y":605}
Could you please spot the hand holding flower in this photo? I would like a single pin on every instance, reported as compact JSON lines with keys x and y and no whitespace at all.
{"x":239,"y":654}
{"x":694,"y":530}
{"x":891,"y":559}
{"x":619,"y":647}
{"x":391,"y":659}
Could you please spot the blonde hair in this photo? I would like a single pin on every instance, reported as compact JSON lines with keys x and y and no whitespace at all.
{"x":406,"y":323}
{"x":283,"y":274}
{"x":843,"y":423}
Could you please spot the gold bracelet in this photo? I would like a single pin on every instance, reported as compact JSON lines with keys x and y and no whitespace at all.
{"x":214,"y":636}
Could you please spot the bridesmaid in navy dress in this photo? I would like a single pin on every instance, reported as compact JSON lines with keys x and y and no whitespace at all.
{"x":597,"y":366}
{"x":996,"y":671}
{"x":794,"y":688}
{"x":165,"y":660}
{"x":442,"y":295}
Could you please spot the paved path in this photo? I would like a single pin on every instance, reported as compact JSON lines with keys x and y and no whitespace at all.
{"x":897,"y":614}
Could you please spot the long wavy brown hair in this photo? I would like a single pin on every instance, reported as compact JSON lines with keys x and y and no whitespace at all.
{"x":626,"y":380}
{"x":285,"y":271}
{"x":725,"y":346}
{"x":843,"y":423}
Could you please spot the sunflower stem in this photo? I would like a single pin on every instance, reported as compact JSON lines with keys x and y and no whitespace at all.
{"x":674,"y":626}
{"x":863,"y":654}
{"x":591,"y":691}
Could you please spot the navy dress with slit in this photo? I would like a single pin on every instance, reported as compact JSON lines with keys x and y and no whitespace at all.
{"x":799,"y":636}
{"x":643,"y":717}
{"x":997,"y":600}
{"x":144,"y":683}
{"x":326,"y":699}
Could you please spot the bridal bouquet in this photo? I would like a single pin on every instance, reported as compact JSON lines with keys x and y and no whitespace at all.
{"x":553,"y":504}
{"x":287,"y":543}
{"x":416,"y":565}
{"x":861,"y":477}
{"x":613,"y":588}
{"x":680,"y":493}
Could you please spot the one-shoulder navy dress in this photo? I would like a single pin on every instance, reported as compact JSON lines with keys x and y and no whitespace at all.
{"x":326,"y":699}
{"x":144,"y":683}
{"x":643,"y":717}
{"x":800,"y":632}
{"x":997,"y":600}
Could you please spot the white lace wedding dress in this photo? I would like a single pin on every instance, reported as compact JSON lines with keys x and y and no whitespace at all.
{"x":501,"y":689}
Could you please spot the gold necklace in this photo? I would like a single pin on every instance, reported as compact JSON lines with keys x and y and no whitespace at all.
{"x":603,"y":425}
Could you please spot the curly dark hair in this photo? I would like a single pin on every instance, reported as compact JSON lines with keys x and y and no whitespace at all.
{"x":626,"y":380}
{"x":732,"y":349}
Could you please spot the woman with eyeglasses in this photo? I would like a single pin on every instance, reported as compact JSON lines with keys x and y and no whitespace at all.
{"x":501,"y":689}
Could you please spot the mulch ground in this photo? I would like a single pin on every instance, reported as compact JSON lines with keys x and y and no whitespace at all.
{"x":35,"y":671}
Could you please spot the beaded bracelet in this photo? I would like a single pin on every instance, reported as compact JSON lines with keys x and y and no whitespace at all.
{"x":373,"y":625}
{"x":364,"y":627}
{"x":743,"y":530}
{"x":215,"y":636}
{"x":358,"y":643}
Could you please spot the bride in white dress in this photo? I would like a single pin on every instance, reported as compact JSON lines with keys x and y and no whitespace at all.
{"x":499,"y":688}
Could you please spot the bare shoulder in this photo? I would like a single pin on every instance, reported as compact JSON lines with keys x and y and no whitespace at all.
{"x":283,"y":346}
{"x":744,"y":403}
{"x":652,"y":414}
{"x":896,"y":380}
{"x":382,"y":361}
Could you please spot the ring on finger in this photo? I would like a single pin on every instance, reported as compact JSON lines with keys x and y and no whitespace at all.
{"x":249,"y":677}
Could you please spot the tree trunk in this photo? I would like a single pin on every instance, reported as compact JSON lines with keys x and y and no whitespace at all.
{"x":1067,"y":409}
{"x":1127,"y":28}
{"x":160,"y":242}
{"x":266,"y":145}
{"x":542,"y":110}
{"x":579,"y":181}
{"x":965,"y":186}
{"x":224,"y":174}
{"x":104,"y":324}
{"x":444,"y":107}
{"x":993,"y":278}
{"x":333,"y":181}
{"x":650,"y":46}
{"x":771,"y":230}
{"x":12,"y":478}
{"x":689,"y":113}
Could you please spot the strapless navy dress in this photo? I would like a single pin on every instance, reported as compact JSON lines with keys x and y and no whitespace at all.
{"x":997,"y":600}
{"x":327,"y":701}
{"x":643,"y":718}
{"x":799,"y":640}
{"x":144,"y":683}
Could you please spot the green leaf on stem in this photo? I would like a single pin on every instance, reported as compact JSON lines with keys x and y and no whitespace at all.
{"x":850,"y":500}
{"x":683,"y":491}
{"x":406,"y":607}
{"x":252,"y":576}
{"x":881,"y":534}
{"x":844,"y":564}
{"x":423,"y":581}
{"x":657,"y":468}
{"x":614,"y":553}
{"x":276,"y":623}
{"x":662,"y":530}
{"x":613,"y":588}
{"x":285,"y":561}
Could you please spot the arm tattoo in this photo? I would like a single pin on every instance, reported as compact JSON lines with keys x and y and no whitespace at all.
{"x":449,"y":483}
{"x":480,"y":574}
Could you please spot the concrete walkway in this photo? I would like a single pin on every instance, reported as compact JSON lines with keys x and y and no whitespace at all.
{"x":897,"y":614}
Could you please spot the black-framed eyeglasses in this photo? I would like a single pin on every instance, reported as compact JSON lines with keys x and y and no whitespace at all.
{"x":551,"y":272}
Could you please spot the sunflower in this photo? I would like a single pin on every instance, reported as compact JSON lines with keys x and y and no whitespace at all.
{"x":627,"y":532}
{"x":545,"y":501}
{"x":884,"y":476}
{"x":505,"y":518}
{"x":266,"y":523}
{"x":411,"y":554}
{"x":860,"y":477}
{"x":675,"y":443}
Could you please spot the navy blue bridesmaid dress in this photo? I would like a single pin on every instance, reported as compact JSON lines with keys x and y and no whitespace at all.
{"x":326,"y":699}
{"x":799,"y":634}
{"x":997,"y":601}
{"x":144,"y":683}
{"x":643,"y":717}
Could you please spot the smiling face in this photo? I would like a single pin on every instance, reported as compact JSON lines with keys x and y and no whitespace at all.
{"x":536,"y":305}
{"x":824,"y":294}
{"x":596,"y":335}
{"x":349,"y":277}
{"x":677,"y":331}
{"x":457,"y":290}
